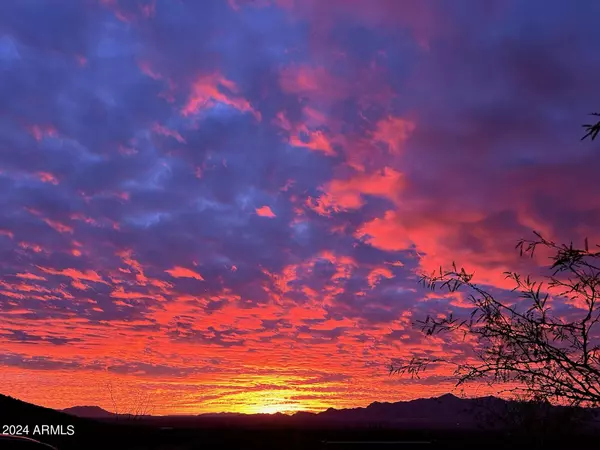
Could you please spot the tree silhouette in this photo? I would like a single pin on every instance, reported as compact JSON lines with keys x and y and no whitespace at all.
{"x":529,"y":343}
{"x":131,"y":404}
{"x":592,"y":129}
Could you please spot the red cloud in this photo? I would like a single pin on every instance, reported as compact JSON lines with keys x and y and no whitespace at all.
{"x":88,"y":275}
{"x":30,"y":276}
{"x":348,"y":194}
{"x":376,"y":274}
{"x":265,"y":211}
{"x":182,"y":272}
{"x":120,"y":292}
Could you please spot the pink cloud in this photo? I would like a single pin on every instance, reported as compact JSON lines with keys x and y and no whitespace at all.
{"x":316,"y":140}
{"x":29,"y":246}
{"x":209,"y":90}
{"x":265,"y":211}
{"x":40,"y":132}
{"x":60,"y":227}
{"x":7,"y":233}
{"x":47,"y":177}
{"x":146,"y":69}
{"x":393,"y":131}
{"x":164,"y":131}
{"x":314,"y":83}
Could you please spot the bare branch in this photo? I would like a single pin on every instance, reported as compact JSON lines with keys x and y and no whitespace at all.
{"x":525,"y":341}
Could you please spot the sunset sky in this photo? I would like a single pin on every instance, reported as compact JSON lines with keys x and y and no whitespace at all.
{"x":226,"y":204}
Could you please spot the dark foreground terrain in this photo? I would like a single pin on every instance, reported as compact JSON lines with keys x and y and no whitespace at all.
{"x":267,"y":432}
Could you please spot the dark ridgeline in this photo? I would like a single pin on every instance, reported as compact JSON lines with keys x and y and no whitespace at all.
{"x":90,"y":412}
{"x":423,"y":423}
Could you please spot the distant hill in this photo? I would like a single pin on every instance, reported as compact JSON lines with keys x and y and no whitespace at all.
{"x":445,"y":411}
{"x":91,"y":412}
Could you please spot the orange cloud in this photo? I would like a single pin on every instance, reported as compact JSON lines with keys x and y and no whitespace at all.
{"x":265,"y":211}
{"x":182,"y":272}
{"x":79,"y":285}
{"x":127,"y":257}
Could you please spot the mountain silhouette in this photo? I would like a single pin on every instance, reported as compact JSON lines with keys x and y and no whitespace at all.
{"x":444,"y":412}
{"x":91,"y":412}
{"x":444,"y":420}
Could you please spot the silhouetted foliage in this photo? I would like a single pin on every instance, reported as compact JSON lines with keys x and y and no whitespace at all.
{"x":592,"y":129}
{"x":547,"y":356}
{"x":533,"y":420}
{"x":135,"y":404}
{"x":527,"y":343}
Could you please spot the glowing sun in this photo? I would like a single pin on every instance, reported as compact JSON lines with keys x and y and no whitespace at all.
{"x":272,"y":409}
